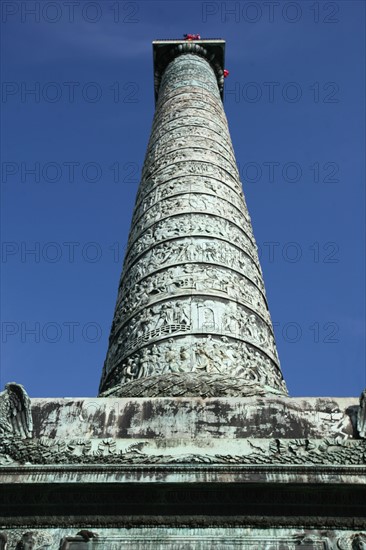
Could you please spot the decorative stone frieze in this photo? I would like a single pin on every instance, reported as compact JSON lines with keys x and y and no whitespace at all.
{"x":112,"y":451}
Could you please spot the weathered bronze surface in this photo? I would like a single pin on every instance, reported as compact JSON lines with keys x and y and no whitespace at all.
{"x":193,"y":442}
{"x":191,"y":316}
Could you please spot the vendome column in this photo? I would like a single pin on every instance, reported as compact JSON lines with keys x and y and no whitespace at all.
{"x":191,"y":316}
{"x":193,"y":441}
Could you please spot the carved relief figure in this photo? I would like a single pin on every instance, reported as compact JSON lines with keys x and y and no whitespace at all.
{"x":181,"y":313}
{"x":165,"y":316}
{"x":208,"y":319}
{"x":15,"y":411}
{"x":361,"y":416}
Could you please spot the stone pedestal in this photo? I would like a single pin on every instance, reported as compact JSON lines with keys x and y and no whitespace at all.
{"x":266,"y":473}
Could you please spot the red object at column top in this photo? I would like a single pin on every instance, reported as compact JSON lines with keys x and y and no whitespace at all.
{"x":192,"y":36}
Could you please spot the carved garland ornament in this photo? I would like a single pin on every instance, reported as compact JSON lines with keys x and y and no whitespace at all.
{"x":277,"y":451}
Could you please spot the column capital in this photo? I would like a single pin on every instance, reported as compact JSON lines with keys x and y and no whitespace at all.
{"x":211,"y":49}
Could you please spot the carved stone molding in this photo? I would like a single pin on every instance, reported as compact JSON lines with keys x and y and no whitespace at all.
{"x":201,"y":534}
{"x":198,"y":521}
{"x":111,"y":451}
{"x":361,"y":416}
{"x":191,"y":384}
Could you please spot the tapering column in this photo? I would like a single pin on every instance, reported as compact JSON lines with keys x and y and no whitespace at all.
{"x":191,"y":316}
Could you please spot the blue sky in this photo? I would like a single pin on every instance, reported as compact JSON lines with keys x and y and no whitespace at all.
{"x":295,"y":105}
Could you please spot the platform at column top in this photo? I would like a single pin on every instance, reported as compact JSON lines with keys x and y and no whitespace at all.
{"x":213,"y":48}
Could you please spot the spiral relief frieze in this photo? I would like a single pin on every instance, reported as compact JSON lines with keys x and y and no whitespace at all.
{"x":191,"y":297}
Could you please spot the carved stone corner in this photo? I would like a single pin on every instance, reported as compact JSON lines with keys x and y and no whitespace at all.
{"x":15,"y":412}
{"x":361,"y":417}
